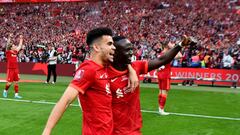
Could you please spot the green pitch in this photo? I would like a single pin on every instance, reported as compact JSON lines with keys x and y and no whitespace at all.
{"x":196,"y":110}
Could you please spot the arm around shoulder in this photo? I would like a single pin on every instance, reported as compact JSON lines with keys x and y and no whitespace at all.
{"x":133,"y":81}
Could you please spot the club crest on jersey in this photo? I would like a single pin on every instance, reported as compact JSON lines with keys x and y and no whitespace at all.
{"x":79,"y":74}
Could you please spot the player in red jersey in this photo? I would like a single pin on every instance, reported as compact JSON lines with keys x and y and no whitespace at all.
{"x":126,"y":104}
{"x":91,"y":85}
{"x":12,"y":66}
{"x":164,"y":75}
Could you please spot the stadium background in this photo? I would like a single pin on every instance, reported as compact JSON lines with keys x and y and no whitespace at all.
{"x":195,"y":110}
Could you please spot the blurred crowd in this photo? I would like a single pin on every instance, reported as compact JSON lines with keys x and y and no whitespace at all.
{"x":215,"y":24}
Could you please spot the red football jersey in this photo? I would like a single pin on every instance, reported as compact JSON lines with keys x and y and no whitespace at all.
{"x":91,"y":80}
{"x":164,"y":71}
{"x":11,"y":59}
{"x":126,"y":105}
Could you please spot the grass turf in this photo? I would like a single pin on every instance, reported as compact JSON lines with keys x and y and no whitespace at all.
{"x":29,"y":118}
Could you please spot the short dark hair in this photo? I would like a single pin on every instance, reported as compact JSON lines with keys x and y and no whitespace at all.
{"x":9,"y":46}
{"x":118,"y":38}
{"x":97,"y":33}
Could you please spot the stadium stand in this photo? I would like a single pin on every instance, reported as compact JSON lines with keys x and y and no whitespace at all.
{"x":215,"y":24}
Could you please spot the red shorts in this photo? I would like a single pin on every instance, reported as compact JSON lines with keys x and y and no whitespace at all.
{"x":164,"y":84}
{"x":13,"y":75}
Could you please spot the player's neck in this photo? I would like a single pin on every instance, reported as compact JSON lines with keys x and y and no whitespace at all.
{"x":119,"y":66}
{"x":98,"y":60}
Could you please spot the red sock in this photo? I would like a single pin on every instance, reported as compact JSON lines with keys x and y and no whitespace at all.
{"x":7,"y":87}
{"x":16,"y":88}
{"x":162,"y":100}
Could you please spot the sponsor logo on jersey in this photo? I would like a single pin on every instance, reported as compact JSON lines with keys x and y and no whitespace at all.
{"x":108,"y":89}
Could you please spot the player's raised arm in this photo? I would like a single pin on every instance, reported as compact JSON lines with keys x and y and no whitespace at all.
{"x":169,"y":55}
{"x":20,"y":43}
{"x":8,"y":41}
{"x":69,"y":95}
{"x":179,"y":54}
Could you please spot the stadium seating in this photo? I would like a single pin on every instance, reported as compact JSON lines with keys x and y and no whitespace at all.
{"x":146,"y":23}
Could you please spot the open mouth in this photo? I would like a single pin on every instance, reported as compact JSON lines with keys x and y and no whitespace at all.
{"x":111,"y":54}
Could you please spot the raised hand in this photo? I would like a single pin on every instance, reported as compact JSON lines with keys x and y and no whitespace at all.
{"x":188,"y":41}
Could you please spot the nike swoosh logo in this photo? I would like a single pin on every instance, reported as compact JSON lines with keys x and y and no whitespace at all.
{"x":114,"y":79}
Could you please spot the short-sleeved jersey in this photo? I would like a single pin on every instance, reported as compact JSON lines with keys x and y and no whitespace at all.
{"x":91,"y":80}
{"x":11,"y":56}
{"x":126,"y":105}
{"x":164,"y":71}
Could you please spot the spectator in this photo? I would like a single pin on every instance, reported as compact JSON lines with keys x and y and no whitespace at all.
{"x":213,"y":23}
{"x":52,"y":64}
{"x":227,"y":60}
{"x":195,"y":60}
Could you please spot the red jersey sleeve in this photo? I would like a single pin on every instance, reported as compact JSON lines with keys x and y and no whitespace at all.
{"x":141,"y":67}
{"x":83,"y":79}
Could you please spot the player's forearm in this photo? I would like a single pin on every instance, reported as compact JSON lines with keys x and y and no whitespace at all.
{"x":164,"y":59}
{"x":20,"y":43}
{"x":169,"y":55}
{"x":55,"y":116}
{"x":59,"y":109}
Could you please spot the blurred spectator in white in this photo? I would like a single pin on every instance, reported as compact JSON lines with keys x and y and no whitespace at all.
{"x":2,"y":54}
{"x":227,"y":60}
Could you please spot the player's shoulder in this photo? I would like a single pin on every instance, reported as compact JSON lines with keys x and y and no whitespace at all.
{"x":90,"y":65}
{"x":11,"y":51}
{"x":86,"y":70}
{"x":139,"y":63}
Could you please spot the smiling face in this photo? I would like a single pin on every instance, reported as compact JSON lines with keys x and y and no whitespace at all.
{"x":124,"y":51}
{"x":106,"y":48}
{"x":12,"y":47}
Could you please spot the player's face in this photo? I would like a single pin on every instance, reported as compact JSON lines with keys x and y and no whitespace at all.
{"x":14,"y":47}
{"x":106,"y":48}
{"x":124,"y":51}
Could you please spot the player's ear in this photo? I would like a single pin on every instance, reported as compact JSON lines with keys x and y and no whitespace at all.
{"x":96,"y":47}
